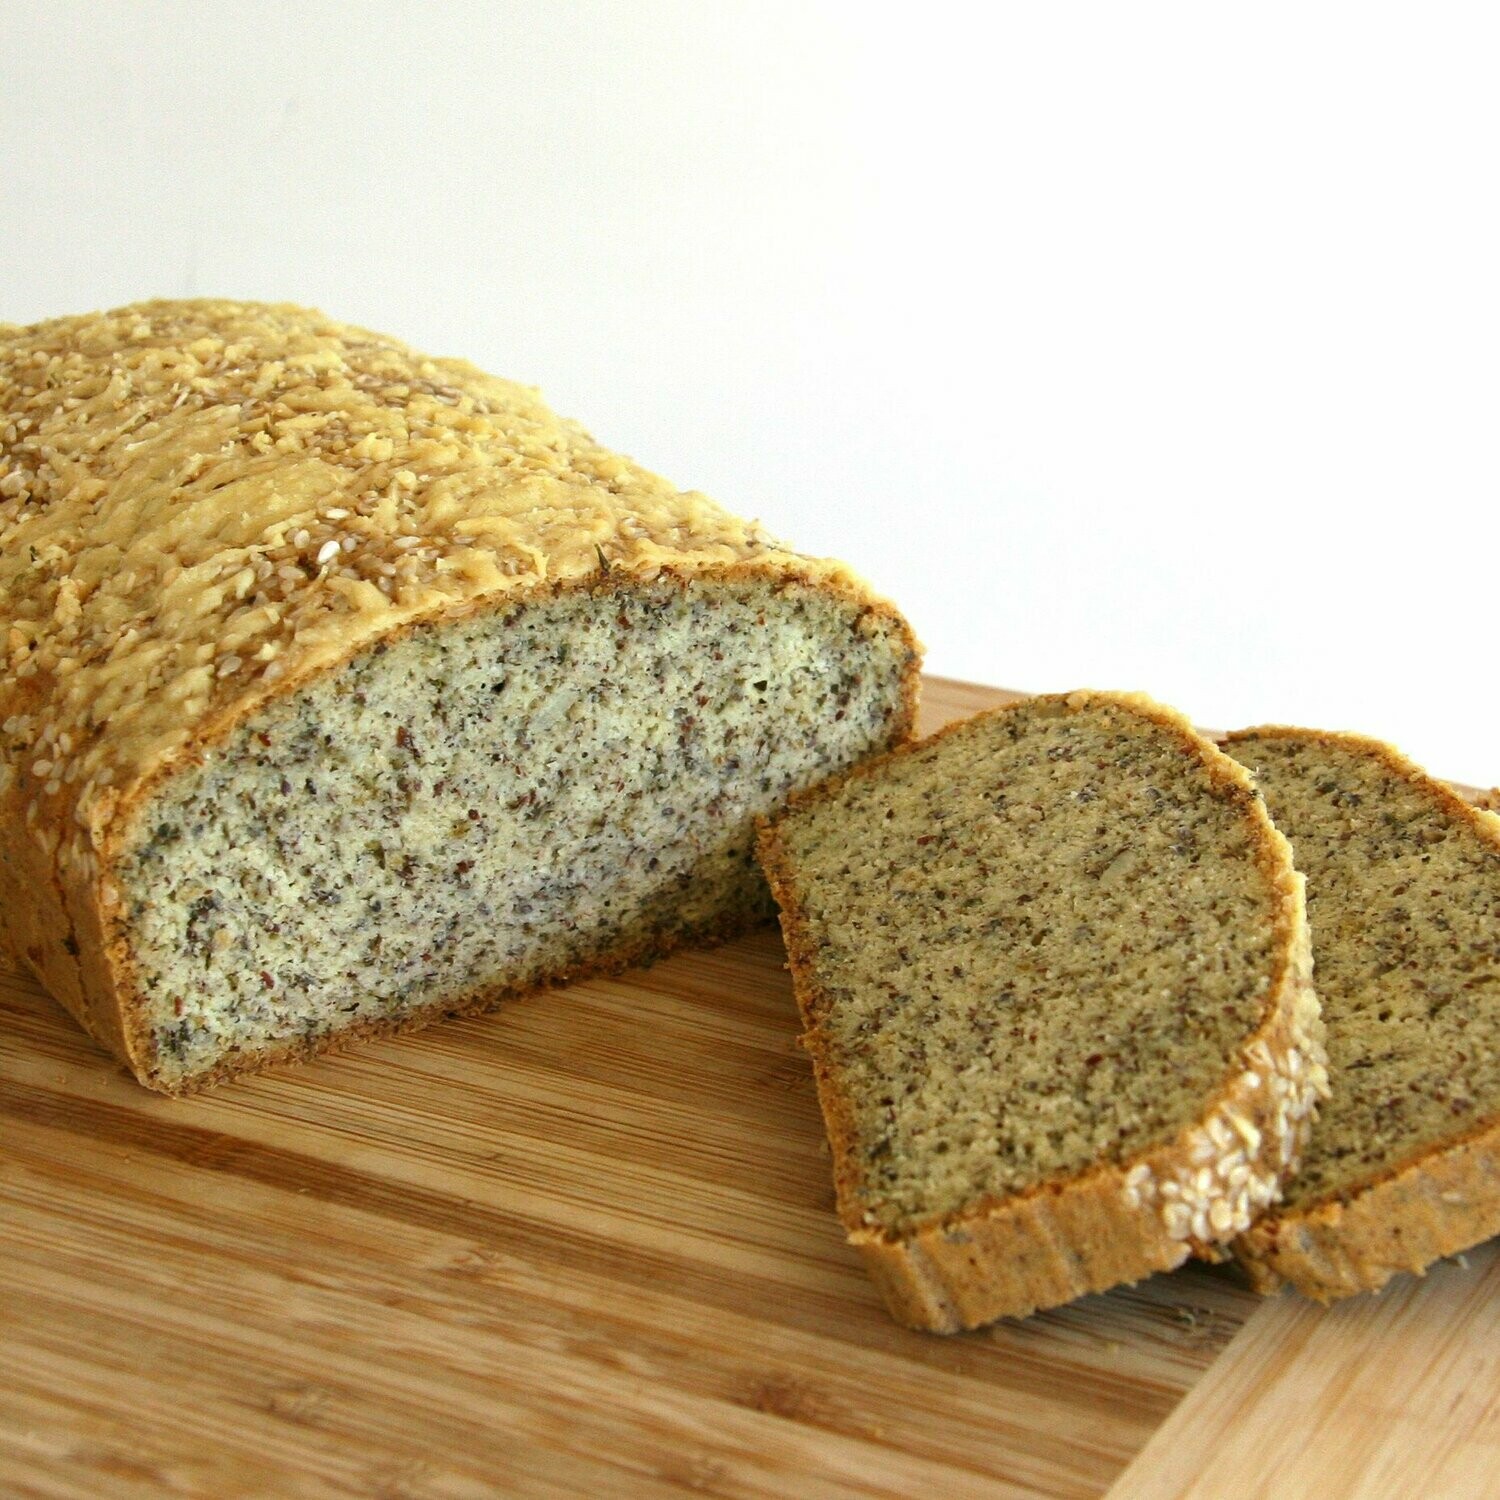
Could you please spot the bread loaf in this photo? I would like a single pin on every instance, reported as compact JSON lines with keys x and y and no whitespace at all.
{"x":1403,"y":882}
{"x":346,"y":688}
{"x":1053,"y":968}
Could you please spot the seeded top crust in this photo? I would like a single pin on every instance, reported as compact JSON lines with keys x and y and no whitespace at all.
{"x":205,"y":503}
{"x":1404,"y":904}
{"x":1033,"y":946}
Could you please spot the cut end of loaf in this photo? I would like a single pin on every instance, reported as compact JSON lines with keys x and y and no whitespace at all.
{"x":484,"y":806}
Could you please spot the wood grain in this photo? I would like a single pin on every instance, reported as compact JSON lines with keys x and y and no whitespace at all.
{"x":1391,"y":1396}
{"x":583,"y":1246}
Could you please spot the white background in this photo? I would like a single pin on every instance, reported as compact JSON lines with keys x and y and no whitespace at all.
{"x":1123,"y":346}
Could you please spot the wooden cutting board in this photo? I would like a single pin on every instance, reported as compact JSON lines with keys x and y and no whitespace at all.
{"x":586,"y":1246}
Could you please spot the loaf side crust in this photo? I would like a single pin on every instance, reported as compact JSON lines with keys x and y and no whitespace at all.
{"x":1117,"y":1222}
{"x":165,"y":466}
{"x":1438,"y":1202}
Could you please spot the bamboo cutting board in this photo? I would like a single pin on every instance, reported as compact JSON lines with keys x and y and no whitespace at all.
{"x":586,"y":1247}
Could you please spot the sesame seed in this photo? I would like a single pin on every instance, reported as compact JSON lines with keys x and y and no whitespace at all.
{"x":1178,"y":1220}
{"x":239,"y":593}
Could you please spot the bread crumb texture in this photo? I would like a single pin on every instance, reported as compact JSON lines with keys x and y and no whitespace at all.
{"x":200,"y":500}
{"x":1404,"y":903}
{"x":1059,"y":947}
{"x":494,"y":801}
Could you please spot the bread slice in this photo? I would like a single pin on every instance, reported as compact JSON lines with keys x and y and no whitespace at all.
{"x":1053,"y":967}
{"x":1403,"y":880}
{"x":347,"y":688}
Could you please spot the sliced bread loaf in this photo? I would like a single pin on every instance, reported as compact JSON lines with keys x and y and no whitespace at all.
{"x":346,"y":688}
{"x":1053,"y":968}
{"x":1403,"y":882}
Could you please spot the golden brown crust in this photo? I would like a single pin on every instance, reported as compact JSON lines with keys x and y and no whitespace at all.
{"x":1439,"y":1201}
{"x":1116,"y":1222}
{"x":203,"y":503}
{"x":172,"y":477}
